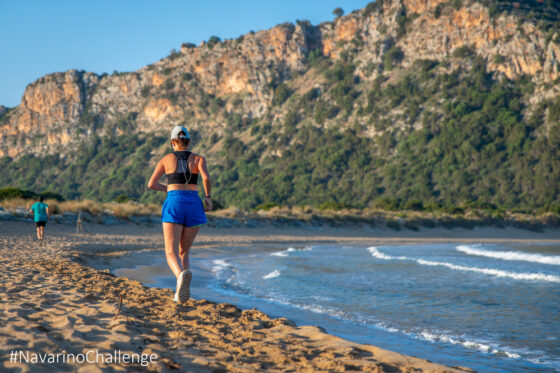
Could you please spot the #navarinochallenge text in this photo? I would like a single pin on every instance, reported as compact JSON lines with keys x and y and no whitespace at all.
{"x":89,"y":357}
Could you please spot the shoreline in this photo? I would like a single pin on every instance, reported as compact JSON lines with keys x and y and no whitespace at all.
{"x":55,"y":299}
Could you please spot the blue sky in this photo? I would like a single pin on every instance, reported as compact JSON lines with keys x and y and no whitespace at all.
{"x":40,"y":37}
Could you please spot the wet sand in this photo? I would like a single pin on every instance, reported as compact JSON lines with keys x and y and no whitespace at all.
{"x":53,"y":301}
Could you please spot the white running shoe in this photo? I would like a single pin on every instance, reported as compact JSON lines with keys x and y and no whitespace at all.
{"x":183,"y":292}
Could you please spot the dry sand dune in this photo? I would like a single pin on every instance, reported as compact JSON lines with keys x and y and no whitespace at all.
{"x":53,"y":302}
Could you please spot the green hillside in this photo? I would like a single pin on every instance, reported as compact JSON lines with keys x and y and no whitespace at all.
{"x":475,"y":146}
{"x":434,"y":134}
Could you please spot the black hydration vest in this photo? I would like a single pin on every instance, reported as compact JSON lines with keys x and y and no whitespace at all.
{"x":182,"y":175}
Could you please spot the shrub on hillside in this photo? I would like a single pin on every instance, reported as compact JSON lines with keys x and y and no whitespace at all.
{"x":281,"y":93}
{"x":392,"y":57}
{"x":51,"y":195}
{"x":464,"y":51}
{"x":386,"y":204}
{"x":332,"y":205}
{"x":338,"y":12}
{"x":414,"y":205}
{"x":7,"y":193}
{"x":121,"y":198}
{"x":266,"y":206}
{"x":12,"y":193}
{"x":213,"y":41}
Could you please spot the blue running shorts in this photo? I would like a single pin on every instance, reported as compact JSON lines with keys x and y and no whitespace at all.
{"x":183,"y":207}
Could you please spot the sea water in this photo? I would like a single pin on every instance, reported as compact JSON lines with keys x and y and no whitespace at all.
{"x":490,"y":307}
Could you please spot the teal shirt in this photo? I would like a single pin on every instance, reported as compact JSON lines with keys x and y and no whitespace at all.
{"x":40,"y":210}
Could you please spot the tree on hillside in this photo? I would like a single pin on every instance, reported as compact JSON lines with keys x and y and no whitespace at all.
{"x":213,"y":41}
{"x":338,"y":12}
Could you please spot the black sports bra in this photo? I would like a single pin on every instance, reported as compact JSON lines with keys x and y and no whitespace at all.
{"x":182,"y":175}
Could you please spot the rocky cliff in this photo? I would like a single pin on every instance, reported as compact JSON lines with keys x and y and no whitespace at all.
{"x":201,"y":85}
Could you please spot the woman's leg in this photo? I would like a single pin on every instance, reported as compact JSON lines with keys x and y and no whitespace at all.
{"x":38,"y":233}
{"x":42,"y":230}
{"x":172,"y":238}
{"x":187,"y":238}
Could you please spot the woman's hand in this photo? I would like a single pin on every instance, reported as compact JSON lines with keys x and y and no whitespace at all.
{"x":207,"y":204}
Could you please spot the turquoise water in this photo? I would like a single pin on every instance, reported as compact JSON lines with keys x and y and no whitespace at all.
{"x":489,"y":307}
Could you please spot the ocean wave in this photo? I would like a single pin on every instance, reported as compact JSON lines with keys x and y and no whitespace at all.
{"x":430,"y":336}
{"x":485,"y":346}
{"x":511,"y":255}
{"x":224,"y":271}
{"x":291,"y":250}
{"x":379,"y":255}
{"x":320,"y":298}
{"x":482,"y":346}
{"x":488,"y":271}
{"x":315,"y":308}
{"x":220,"y":265}
{"x":272,"y":274}
{"x":494,"y":272}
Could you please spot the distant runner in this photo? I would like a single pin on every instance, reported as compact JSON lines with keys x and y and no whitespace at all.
{"x":41,"y":211}
{"x":182,"y":213}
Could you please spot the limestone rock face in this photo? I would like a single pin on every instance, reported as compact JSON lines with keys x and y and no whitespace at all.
{"x":61,"y":109}
{"x":49,"y":110}
{"x":524,"y":48}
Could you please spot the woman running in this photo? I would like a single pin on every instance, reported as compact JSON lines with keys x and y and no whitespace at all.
{"x":182,"y":213}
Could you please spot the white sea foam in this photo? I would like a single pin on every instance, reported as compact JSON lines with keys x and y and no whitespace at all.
{"x":290,"y":250}
{"x":512,"y":355}
{"x":494,"y":272}
{"x":220,"y":265}
{"x":221,"y":269}
{"x":378,"y":254}
{"x":272,"y":274}
{"x":315,"y":308}
{"x":511,"y":255}
{"x":482,"y":346}
{"x":374,"y":251}
{"x":320,"y":298}
{"x":323,"y":310}
{"x":431,"y":336}
{"x":231,"y":280}
{"x":488,"y":271}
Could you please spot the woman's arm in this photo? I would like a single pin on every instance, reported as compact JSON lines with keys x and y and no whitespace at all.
{"x":203,"y":171}
{"x":154,"y":180}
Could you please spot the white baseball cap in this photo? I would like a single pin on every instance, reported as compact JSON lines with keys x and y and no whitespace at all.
{"x":176,"y":133}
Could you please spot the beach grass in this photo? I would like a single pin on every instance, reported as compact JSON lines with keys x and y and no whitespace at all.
{"x":374,"y":217}
{"x":122,"y":210}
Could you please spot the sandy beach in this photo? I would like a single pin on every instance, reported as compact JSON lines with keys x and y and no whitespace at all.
{"x":55,"y":303}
